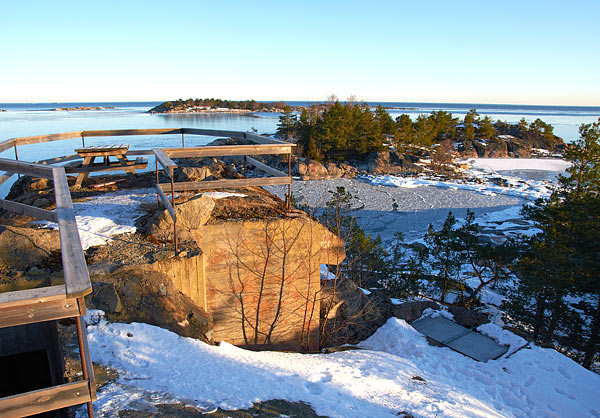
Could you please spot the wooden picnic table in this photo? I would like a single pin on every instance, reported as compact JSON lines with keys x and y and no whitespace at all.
{"x":117,"y":151}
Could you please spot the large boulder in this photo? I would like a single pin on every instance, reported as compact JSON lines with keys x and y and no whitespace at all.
{"x":468,"y":318}
{"x":22,"y":248}
{"x":409,"y":311}
{"x":310,"y":169}
{"x":334,"y":171}
{"x":106,"y":298}
{"x":348,"y":314}
{"x":518,"y":149}
{"x":195,"y":173}
{"x":389,"y":162}
{"x":348,"y":171}
{"x":190,"y":215}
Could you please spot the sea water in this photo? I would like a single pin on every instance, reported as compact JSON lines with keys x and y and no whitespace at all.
{"x":25,"y":119}
{"x":28,"y":119}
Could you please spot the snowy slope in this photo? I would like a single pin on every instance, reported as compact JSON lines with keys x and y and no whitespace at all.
{"x":156,"y":365}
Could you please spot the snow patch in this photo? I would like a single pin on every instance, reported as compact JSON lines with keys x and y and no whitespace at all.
{"x":496,"y":164}
{"x":325,"y":273}
{"x":503,"y":337}
{"x":434,"y":313}
{"x":101,"y":217}
{"x":222,"y":195}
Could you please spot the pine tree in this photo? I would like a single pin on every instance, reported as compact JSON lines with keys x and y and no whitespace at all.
{"x":287,"y":123}
{"x":563,"y":259}
{"x":486,"y":129}
{"x":470,"y":119}
{"x":445,"y":254}
{"x":404,"y":133}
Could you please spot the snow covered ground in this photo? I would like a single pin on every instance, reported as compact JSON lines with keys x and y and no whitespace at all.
{"x":499,"y":164}
{"x":101,"y":217}
{"x":395,"y":370}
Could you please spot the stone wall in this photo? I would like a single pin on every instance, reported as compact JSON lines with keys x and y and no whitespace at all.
{"x":263,"y":281}
{"x":187,"y":275}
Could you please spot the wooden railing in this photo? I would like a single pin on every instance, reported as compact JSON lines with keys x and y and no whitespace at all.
{"x":54,"y":302}
{"x":14,"y":142}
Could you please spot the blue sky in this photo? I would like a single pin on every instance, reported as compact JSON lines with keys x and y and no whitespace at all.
{"x":530,"y":52}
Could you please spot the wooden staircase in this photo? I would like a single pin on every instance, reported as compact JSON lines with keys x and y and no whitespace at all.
{"x":51,"y":303}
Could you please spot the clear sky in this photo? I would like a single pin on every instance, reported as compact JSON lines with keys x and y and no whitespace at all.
{"x":522,"y":52}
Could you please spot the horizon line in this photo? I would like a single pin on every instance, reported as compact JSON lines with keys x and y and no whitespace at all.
{"x":308,"y":101}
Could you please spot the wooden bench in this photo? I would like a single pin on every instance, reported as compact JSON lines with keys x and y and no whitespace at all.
{"x":118,"y":151}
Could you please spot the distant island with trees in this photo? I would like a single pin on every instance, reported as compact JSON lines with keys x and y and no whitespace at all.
{"x":216,"y":105}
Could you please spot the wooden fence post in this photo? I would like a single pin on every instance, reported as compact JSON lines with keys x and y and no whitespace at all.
{"x":17,"y":157}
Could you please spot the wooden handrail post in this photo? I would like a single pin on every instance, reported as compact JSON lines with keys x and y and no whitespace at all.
{"x":289,"y":196}
{"x":82,"y":139}
{"x":16,"y":157}
{"x":182,"y":140}
{"x":80,"y":323}
{"x":157,"y":183}
{"x":174,"y":220}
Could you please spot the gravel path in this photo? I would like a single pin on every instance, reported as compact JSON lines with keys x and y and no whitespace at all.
{"x":385,"y":210}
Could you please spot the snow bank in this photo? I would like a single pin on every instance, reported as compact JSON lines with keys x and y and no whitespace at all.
{"x":396,"y":371}
{"x":222,"y":195}
{"x":498,"y":164}
{"x":503,"y":337}
{"x":101,"y":217}
{"x":325,"y":273}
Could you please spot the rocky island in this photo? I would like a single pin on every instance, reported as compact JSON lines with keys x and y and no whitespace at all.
{"x":216,"y":106}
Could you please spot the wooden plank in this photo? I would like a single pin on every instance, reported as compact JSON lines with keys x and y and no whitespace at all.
{"x":8,"y":144}
{"x":24,"y":167}
{"x":165,"y":200}
{"x":103,"y":150}
{"x":139,"y":152}
{"x":129,"y":132}
{"x":59,"y":159}
{"x":259,"y":139}
{"x":226,"y":183}
{"x":46,"y":310}
{"x":77,"y":279}
{"x":164,"y":160}
{"x":86,"y":350}
{"x":32,"y":296}
{"x":87,"y":161}
{"x":27,"y":210}
{"x":38,"y":139}
{"x":213,"y":132}
{"x":44,"y":400}
{"x":228,"y":150}
{"x":130,"y":165}
{"x":267,"y":169}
